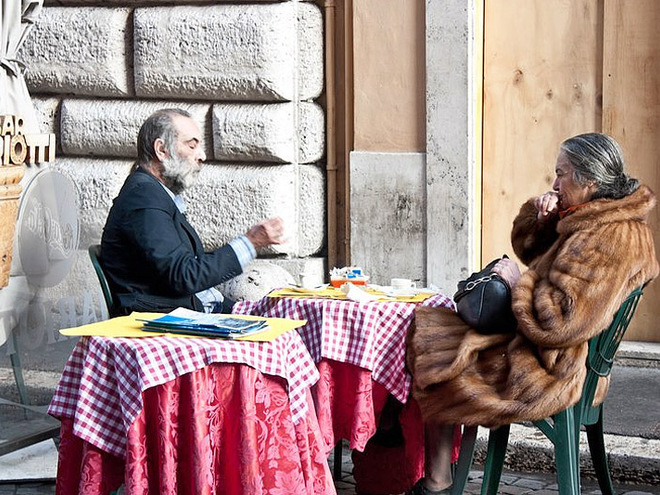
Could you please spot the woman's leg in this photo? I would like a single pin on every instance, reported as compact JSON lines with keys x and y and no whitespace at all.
{"x":438,"y":440}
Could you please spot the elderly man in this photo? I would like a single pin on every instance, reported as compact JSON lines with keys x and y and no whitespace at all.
{"x":152,"y":256}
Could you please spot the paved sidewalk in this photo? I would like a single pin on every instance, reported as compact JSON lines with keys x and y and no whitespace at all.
{"x":511,"y":483}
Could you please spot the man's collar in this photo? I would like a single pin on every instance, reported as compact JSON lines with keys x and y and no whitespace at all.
{"x":178,"y":200}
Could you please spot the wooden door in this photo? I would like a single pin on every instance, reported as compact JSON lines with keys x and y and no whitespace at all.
{"x":553,"y":69}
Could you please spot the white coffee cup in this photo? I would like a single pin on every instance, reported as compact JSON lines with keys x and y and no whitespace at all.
{"x":402,"y":284}
{"x":307,"y":281}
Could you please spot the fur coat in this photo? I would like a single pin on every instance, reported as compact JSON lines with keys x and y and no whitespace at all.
{"x":580,"y":269}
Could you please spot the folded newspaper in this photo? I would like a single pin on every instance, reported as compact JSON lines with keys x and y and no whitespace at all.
{"x":189,"y":322}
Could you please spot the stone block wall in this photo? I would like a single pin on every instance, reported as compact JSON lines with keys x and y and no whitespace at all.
{"x":250,"y":72}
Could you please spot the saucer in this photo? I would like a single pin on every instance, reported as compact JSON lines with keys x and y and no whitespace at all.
{"x":407,"y":292}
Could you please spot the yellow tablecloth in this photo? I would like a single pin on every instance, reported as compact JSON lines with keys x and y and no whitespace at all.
{"x":130,"y":326}
{"x":334,"y":293}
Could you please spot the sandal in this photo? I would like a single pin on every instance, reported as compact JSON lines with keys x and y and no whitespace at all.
{"x":420,"y":489}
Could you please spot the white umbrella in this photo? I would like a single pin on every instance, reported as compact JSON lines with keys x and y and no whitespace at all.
{"x":16,"y":19}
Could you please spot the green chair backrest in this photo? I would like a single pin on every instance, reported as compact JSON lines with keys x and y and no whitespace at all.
{"x":602,"y":349}
{"x":95,"y":255}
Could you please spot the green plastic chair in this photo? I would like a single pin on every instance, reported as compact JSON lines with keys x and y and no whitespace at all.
{"x":94,"y":255}
{"x":563,"y":429}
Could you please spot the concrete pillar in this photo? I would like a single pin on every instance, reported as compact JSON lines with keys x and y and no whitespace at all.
{"x":452,"y":210}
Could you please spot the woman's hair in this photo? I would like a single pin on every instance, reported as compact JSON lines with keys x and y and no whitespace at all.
{"x":598,"y":158}
{"x":159,"y":125}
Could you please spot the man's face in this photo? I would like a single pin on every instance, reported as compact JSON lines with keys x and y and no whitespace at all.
{"x":186,"y":155}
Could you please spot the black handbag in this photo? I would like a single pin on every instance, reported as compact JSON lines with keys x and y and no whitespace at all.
{"x":483,"y":301}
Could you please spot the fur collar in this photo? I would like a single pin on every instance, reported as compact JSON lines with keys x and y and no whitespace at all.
{"x":636,"y":206}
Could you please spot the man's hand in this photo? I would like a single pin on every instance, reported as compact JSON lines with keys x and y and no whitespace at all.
{"x":267,"y":232}
{"x":547,"y":205}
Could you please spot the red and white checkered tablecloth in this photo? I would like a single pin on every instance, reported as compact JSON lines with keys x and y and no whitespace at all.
{"x":103,"y":380}
{"x":370,"y":335}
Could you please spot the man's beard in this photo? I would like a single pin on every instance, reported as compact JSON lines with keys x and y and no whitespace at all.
{"x":178,"y":174}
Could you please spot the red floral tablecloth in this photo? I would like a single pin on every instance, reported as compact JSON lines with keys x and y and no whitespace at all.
{"x":165,"y":415}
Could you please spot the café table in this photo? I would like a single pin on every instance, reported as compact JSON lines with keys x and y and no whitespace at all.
{"x":359,"y":350}
{"x":168,"y":414}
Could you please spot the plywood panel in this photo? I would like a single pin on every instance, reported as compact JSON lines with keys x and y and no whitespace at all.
{"x":542,"y":69}
{"x":389,"y":75}
{"x":631,"y":114}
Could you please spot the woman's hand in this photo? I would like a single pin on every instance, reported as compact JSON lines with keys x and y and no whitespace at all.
{"x":547,"y":205}
{"x":508,"y":270}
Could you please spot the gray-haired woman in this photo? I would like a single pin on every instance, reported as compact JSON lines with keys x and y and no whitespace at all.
{"x":587,"y":245}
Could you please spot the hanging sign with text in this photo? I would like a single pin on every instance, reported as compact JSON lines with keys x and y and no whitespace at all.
{"x":17,"y":148}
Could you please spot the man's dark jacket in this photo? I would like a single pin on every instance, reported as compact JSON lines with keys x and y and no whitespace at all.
{"x":152,"y":256}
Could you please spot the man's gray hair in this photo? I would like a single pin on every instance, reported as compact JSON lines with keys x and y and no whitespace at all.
{"x":598,"y":158}
{"x":159,"y":125}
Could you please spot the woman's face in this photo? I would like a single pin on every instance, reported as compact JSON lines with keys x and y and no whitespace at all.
{"x":570,"y":192}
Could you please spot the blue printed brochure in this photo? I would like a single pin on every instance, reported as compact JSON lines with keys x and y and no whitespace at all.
{"x":186,"y":321}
